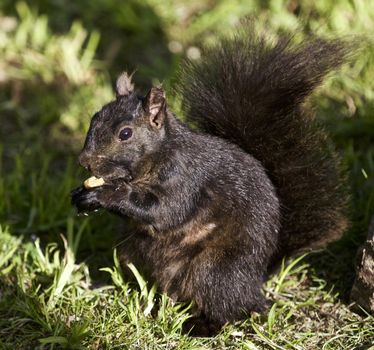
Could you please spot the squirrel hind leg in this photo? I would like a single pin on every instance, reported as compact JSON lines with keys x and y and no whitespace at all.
{"x":200,"y":326}
{"x":227,"y":290}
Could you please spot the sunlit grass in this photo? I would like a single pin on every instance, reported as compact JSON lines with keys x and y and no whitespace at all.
{"x":49,"y":299}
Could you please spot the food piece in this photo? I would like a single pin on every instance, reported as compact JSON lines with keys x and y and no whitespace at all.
{"x":93,"y":181}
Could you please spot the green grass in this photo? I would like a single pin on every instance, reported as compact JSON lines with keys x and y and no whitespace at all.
{"x":48,"y":301}
{"x":60,"y":281}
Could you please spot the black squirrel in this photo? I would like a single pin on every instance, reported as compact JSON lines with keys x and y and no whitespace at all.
{"x":254,"y":178}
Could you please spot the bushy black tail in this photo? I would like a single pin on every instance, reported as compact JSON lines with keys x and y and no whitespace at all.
{"x":252,"y":92}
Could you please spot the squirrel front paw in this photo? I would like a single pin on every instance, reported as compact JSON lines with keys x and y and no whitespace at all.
{"x":86,"y":199}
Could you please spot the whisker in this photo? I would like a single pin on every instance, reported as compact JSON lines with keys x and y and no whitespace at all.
{"x":124,"y":240}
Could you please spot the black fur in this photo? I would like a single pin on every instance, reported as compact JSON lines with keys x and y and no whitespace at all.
{"x":251,"y":91}
{"x":213,"y":209}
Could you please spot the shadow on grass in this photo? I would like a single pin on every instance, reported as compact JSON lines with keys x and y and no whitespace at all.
{"x":336,"y":266}
{"x":354,"y":139}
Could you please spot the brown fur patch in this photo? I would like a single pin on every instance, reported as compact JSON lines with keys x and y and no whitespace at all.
{"x":198,"y":234}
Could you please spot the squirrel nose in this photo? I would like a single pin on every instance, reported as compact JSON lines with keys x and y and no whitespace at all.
{"x":84,"y":160}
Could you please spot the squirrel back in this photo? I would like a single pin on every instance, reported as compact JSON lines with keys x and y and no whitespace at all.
{"x":251,"y":92}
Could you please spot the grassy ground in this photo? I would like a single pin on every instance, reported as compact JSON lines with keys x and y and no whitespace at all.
{"x":60,"y":283}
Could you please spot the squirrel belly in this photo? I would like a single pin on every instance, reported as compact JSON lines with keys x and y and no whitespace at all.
{"x":213,"y":245}
{"x":214,"y":208}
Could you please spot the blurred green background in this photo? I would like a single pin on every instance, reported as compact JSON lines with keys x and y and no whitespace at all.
{"x":60,"y":58}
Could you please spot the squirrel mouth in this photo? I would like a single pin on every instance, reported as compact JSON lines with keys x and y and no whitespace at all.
{"x":112,"y":174}
{"x":94,"y":181}
{"x":113,"y":180}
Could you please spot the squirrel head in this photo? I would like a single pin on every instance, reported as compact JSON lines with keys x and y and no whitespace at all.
{"x":125,"y":132}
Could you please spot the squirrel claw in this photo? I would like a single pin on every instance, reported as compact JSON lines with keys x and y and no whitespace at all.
{"x":85,"y":200}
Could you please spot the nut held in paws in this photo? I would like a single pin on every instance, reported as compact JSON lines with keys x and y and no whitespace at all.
{"x":93,"y":181}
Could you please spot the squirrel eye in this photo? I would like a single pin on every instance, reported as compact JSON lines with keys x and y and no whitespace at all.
{"x":125,"y":134}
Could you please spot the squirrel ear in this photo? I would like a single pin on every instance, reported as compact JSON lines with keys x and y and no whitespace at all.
{"x":124,"y":86}
{"x":155,"y":106}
